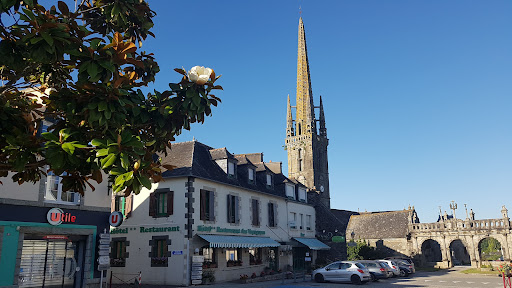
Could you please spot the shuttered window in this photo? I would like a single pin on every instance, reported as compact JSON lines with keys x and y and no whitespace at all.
{"x":161,"y":203}
{"x":207,"y":205}
{"x":233,"y":209}
{"x":272,"y":221}
{"x":255,"y":212}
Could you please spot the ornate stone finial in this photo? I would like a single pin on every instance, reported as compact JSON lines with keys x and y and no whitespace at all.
{"x":445,"y":215}
{"x":409,"y":208}
{"x":504,"y":212}
{"x":453,"y":206}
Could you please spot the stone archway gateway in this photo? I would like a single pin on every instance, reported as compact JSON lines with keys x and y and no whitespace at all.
{"x":461,"y":242}
{"x":459,"y":253}
{"x":490,"y":249}
{"x":431,"y":252}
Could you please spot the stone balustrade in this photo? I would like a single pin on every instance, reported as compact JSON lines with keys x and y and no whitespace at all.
{"x":458,"y":224}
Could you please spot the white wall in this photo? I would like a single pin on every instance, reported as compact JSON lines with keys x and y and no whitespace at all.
{"x":12,"y":190}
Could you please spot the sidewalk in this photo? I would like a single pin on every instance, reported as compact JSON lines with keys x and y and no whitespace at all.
{"x":274,"y":283}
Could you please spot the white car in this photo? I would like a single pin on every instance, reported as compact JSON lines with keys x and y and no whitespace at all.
{"x":393,"y":265}
{"x":342,"y":271}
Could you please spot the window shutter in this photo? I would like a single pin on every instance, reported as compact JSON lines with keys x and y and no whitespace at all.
{"x":270,"y":220}
{"x":202,"y":205}
{"x":128,"y":206}
{"x":152,"y":204}
{"x":257,"y":212}
{"x":212,"y":206}
{"x":229,"y":209}
{"x":113,"y":203}
{"x":237,"y":210}
{"x":170,"y":202}
{"x":275,"y":214}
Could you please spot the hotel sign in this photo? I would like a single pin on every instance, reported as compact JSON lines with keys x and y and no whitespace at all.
{"x":211,"y":229}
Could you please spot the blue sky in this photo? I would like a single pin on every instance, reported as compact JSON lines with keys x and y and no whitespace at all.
{"x":417,"y":94}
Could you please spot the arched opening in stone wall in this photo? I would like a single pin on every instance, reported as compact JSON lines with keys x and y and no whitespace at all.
{"x":459,"y":253}
{"x":490,"y":249}
{"x":431,"y":251}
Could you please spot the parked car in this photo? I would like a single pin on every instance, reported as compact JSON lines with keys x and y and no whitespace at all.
{"x":405,"y":268}
{"x":404,"y":259}
{"x":342,"y":271}
{"x":376,"y":271}
{"x":394,"y":267}
{"x":386,"y":267}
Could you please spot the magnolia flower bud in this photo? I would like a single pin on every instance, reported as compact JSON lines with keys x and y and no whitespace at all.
{"x":199,"y":74}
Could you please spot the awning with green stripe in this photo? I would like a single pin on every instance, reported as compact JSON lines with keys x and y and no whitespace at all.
{"x":225,"y":241}
{"x":312,"y":243}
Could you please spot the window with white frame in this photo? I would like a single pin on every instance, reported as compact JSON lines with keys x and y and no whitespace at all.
{"x":251,"y":176}
{"x":269,"y":180}
{"x":54,"y":191}
{"x":231,"y":169}
{"x":308,"y":222}
{"x":293,"y":220}
{"x":302,"y":195}
{"x":290,"y":191}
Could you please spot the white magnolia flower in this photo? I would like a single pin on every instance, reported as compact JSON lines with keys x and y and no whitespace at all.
{"x":199,"y":74}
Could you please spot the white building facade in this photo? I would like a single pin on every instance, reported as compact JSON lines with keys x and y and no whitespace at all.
{"x":49,"y":237}
{"x":235,"y":211}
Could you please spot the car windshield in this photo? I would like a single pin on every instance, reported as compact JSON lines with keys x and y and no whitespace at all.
{"x":383,"y":265}
{"x":359,"y":265}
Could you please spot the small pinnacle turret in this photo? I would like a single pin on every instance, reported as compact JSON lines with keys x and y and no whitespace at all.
{"x":322,"y":130}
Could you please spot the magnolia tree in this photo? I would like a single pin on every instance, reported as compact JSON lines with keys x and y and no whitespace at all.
{"x":79,"y":72}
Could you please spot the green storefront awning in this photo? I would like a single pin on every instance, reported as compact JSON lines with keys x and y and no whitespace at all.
{"x":312,"y":243}
{"x":224,"y":241}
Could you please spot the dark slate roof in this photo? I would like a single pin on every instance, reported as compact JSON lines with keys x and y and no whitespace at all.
{"x":221,"y":153}
{"x":196,"y":159}
{"x":379,"y":225}
{"x":243,"y":160}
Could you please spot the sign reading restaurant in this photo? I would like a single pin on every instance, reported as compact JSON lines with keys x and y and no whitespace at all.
{"x":146,"y":230}
{"x":210,"y":229}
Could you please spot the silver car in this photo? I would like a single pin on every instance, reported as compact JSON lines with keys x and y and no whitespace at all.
{"x":393,"y":265}
{"x":342,"y":271}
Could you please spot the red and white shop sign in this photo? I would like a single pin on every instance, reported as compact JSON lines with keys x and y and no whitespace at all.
{"x":56,"y":237}
{"x":115,"y":219}
{"x":56,"y":216}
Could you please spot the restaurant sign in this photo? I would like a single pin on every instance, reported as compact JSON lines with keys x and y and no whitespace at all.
{"x":211,"y":229}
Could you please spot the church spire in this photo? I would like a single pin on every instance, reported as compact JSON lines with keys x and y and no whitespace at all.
{"x":289,"y":119}
{"x":305,"y":118}
{"x":323,"y":130}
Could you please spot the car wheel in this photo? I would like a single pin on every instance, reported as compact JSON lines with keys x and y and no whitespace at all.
{"x":355,"y":280}
{"x":402,"y":273}
{"x":319,"y":278}
{"x":373,"y":278}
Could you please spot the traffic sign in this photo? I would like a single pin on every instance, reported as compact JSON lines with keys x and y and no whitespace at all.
{"x":105,"y":235}
{"x":103,"y":247}
{"x":104,"y":260}
{"x":103,"y":252}
{"x":103,"y":267}
{"x":105,"y":241}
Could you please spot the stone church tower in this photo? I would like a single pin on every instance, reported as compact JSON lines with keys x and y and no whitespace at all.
{"x":306,"y":142}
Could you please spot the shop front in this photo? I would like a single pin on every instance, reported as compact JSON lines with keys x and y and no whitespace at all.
{"x":48,"y":247}
{"x":304,"y":252}
{"x":227,"y":257}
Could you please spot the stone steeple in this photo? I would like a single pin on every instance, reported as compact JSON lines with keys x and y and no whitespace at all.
{"x":305,"y":110}
{"x":307,"y":145}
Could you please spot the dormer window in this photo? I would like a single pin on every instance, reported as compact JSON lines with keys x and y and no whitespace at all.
{"x":251,"y":176}
{"x":269,"y":180}
{"x":290,"y":191}
{"x":302,"y":195}
{"x":231,"y":169}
